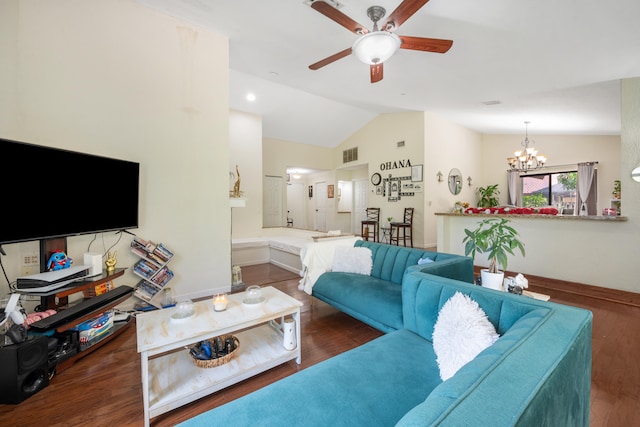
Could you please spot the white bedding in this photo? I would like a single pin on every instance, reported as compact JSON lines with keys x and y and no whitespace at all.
{"x":317,"y":258}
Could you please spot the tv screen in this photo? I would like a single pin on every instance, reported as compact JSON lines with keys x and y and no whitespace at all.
{"x":59,"y":193}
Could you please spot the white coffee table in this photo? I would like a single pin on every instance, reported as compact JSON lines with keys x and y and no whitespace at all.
{"x":170,"y":379}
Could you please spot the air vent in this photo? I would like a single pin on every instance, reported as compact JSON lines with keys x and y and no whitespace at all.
{"x":333,"y":3}
{"x":350,"y":155}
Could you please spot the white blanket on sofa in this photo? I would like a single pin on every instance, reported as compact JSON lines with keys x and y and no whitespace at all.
{"x":317,"y":258}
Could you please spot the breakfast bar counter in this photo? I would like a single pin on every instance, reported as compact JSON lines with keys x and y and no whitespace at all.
{"x":580,"y":249}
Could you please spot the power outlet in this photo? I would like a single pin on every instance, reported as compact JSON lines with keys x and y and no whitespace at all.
{"x":28,"y":270}
{"x":30,"y":263}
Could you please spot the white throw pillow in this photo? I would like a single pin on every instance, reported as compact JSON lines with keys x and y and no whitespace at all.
{"x":352,"y":260}
{"x":461,"y":332}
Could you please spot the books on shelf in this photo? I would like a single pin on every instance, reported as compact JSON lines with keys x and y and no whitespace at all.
{"x":148,"y":249}
{"x":151,"y":268}
{"x":146,"y":290}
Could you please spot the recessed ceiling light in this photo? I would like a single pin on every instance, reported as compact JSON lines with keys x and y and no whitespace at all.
{"x":251,"y":97}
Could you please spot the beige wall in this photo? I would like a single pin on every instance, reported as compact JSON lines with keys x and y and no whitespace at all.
{"x":447,"y":146}
{"x":592,"y":252}
{"x":377,"y":145}
{"x":245,"y":151}
{"x":278,"y":155}
{"x":117,"y":79}
{"x":560,"y":150}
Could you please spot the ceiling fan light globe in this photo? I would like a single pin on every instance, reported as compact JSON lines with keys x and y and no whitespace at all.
{"x":376,"y":47}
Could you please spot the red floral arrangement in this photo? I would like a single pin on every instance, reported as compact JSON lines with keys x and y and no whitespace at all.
{"x":512,"y":211}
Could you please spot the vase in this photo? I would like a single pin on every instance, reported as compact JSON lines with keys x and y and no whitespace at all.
{"x":492,"y":280}
{"x":289,"y":334}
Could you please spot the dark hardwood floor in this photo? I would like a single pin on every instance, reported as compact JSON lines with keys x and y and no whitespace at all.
{"x":104,"y":388}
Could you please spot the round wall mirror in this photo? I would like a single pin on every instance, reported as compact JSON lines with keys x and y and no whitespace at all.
{"x":455,"y":181}
{"x":635,"y":174}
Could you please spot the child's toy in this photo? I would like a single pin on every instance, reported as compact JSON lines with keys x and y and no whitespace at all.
{"x":58,"y":260}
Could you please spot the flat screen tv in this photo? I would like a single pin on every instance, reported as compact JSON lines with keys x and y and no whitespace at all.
{"x":50,"y":193}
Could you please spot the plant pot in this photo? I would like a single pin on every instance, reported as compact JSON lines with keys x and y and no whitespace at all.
{"x":492,"y":280}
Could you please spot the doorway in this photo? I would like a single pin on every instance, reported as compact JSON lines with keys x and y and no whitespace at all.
{"x":272,"y":193}
{"x":321,"y":206}
{"x":360,"y":202}
{"x":296,"y":204}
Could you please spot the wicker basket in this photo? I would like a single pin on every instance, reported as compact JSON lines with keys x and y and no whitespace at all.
{"x":212,"y":363}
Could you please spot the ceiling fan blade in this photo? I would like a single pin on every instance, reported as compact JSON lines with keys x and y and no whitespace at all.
{"x":330,"y":59}
{"x":376,"y":72}
{"x":403,"y":12}
{"x":339,"y":17}
{"x":425,"y":44}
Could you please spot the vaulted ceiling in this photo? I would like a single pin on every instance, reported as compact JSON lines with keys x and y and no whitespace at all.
{"x":556,"y":64}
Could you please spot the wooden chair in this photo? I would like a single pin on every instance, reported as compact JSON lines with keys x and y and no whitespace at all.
{"x":407,"y":229}
{"x":371,"y":225}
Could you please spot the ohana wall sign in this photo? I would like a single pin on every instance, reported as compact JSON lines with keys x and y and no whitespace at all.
{"x":394,"y":187}
{"x":398,"y":164}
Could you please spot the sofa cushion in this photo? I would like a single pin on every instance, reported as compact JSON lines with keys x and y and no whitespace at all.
{"x":422,"y":292}
{"x":390,"y":261}
{"x":461,"y":332}
{"x":374,"y":384}
{"x":352,"y":260}
{"x":374,"y":301}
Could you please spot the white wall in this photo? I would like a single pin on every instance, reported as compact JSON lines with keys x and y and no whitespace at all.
{"x":117,"y":79}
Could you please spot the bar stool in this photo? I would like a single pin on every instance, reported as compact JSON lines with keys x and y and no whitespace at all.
{"x":373,"y":220}
{"x":407,"y":229}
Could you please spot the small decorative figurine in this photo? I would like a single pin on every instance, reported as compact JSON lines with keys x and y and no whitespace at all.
{"x":111,"y":262}
{"x":58,"y":260}
{"x":236,"y":186}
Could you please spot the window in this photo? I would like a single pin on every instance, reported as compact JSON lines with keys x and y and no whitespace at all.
{"x":550,"y":189}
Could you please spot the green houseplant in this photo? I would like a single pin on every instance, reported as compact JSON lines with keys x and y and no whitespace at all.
{"x":498,"y":239}
{"x":488,"y":196}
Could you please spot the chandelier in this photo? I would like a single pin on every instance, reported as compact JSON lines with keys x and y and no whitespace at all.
{"x":527,"y":159}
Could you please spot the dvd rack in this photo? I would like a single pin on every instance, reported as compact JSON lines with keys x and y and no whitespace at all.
{"x":152,"y":269}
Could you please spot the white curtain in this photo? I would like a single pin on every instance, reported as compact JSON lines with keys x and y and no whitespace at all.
{"x":512,"y":182}
{"x":586,"y":173}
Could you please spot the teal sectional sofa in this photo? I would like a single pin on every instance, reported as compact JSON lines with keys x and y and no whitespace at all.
{"x":377,"y":299}
{"x":537,"y":373}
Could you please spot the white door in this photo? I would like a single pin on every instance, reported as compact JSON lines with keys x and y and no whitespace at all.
{"x":296,"y":203}
{"x":360,"y":202}
{"x":272,"y":209}
{"x":321,"y":206}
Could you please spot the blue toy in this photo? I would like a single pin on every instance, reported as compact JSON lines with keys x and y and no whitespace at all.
{"x":58,"y":260}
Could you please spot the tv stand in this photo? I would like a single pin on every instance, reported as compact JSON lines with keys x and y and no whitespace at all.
{"x":59,"y":300}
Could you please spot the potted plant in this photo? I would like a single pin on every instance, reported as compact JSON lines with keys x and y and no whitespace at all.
{"x":488,"y":196}
{"x":498,"y":239}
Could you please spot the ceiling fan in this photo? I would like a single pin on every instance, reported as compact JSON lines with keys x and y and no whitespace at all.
{"x":376,"y":46}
